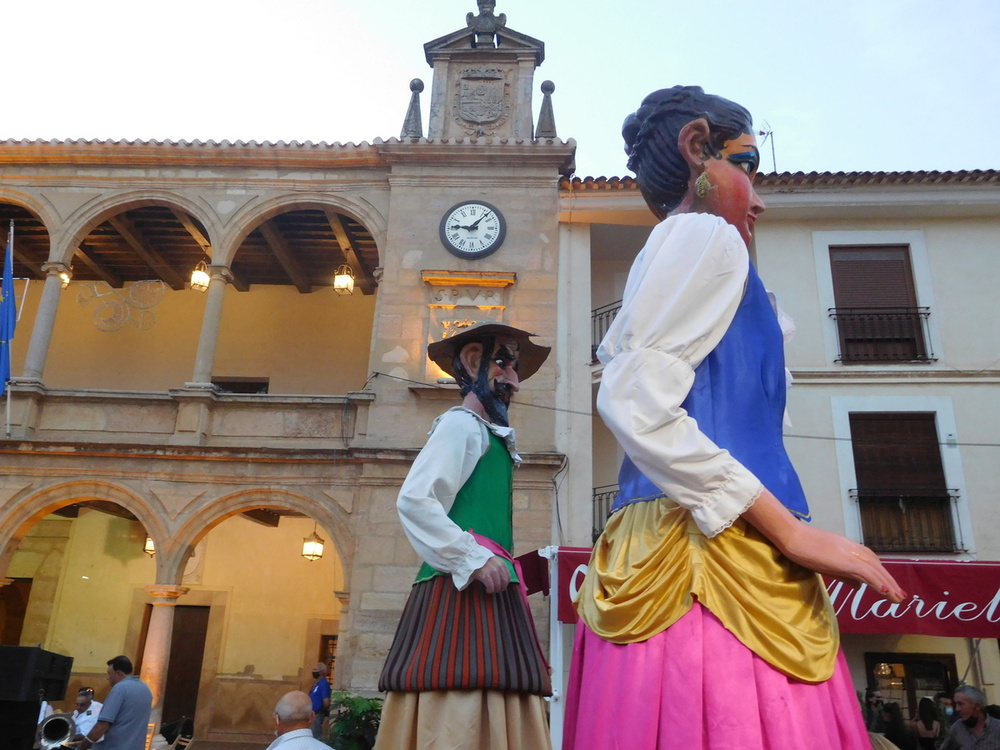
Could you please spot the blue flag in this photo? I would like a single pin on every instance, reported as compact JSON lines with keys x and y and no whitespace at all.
{"x":8,"y":310}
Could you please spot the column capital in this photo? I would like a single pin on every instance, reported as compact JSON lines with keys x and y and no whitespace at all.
{"x":55,"y":267}
{"x":344,"y":597}
{"x":221,"y":272}
{"x":166,"y":594}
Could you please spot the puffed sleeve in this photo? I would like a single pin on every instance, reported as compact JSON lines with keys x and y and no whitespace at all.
{"x":681,"y":295}
{"x":456,"y":443}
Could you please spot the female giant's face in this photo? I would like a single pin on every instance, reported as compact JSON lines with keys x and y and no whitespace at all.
{"x":732,"y":195}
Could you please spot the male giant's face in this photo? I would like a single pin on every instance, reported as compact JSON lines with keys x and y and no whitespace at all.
{"x":495,"y":380}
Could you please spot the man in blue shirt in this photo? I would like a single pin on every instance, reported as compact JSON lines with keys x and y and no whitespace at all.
{"x":124,"y":718}
{"x":320,"y":696}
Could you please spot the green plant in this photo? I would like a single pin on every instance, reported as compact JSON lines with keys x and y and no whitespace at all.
{"x":353,"y":721}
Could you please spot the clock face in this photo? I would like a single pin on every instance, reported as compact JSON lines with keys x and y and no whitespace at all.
{"x":473,"y":229}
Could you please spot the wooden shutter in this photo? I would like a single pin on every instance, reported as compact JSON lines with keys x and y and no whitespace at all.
{"x":896,"y":450}
{"x":901,"y":493}
{"x":872,"y":277}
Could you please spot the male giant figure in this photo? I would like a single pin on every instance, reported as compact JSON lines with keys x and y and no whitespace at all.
{"x":465,"y":669}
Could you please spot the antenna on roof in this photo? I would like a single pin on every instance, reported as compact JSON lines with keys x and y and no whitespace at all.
{"x":767,"y":132}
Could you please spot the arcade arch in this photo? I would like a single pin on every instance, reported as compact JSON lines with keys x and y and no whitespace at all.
{"x":235,"y":562}
{"x":130,"y":257}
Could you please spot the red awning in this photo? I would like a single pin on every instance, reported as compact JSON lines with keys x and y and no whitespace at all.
{"x":953,"y":599}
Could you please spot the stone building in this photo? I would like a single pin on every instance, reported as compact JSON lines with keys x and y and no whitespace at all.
{"x":228,"y":425}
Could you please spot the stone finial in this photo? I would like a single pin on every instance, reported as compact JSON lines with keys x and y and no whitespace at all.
{"x":546,"y":120}
{"x":486,"y":23}
{"x":412,"y":125}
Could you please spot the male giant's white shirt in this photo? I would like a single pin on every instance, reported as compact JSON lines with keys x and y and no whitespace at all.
{"x":458,"y":439}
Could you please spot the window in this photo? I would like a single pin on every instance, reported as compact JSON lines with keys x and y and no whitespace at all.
{"x":328,"y":654}
{"x":250,"y":386}
{"x":906,"y":678}
{"x":901,"y":493}
{"x":604,"y":498}
{"x":600,"y":321}
{"x":876,"y":310}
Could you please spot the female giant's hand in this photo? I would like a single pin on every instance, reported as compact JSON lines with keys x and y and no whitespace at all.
{"x":823,"y":551}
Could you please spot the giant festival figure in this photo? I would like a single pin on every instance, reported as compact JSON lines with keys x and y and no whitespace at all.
{"x":465,"y":670}
{"x":704,"y":622}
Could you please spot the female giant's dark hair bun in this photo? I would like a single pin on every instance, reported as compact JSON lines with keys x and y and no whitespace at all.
{"x":651,"y":138}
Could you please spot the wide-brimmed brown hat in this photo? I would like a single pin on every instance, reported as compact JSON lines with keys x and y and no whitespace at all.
{"x":530,"y":355}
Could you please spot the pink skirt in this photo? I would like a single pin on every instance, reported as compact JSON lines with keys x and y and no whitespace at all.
{"x":695,"y":686}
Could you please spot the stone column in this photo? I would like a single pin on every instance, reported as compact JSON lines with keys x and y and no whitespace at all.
{"x":205,"y":359}
{"x":156,"y":654}
{"x":41,"y":334}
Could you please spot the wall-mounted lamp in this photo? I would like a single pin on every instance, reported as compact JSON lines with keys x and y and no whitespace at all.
{"x":200,"y":278}
{"x":312,"y":546}
{"x":64,"y":277}
{"x":149,"y":548}
{"x":343,"y":280}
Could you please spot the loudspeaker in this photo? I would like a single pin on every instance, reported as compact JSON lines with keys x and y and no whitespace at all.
{"x":29,"y":673}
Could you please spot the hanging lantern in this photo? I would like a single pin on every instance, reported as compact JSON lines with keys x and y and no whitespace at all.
{"x":149,"y":547}
{"x":312,"y":546}
{"x":343,"y":280}
{"x":200,"y":278}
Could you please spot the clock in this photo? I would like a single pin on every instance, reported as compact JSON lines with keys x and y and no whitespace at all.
{"x":473,"y":229}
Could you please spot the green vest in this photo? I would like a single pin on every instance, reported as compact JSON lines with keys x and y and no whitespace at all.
{"x":484,"y":503}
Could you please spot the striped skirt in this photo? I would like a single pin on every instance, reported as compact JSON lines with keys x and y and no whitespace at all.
{"x":465,"y":640}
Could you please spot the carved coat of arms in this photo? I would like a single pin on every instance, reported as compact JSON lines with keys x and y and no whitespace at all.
{"x":482,"y":96}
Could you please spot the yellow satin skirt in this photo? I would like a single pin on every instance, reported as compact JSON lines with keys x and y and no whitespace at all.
{"x":652,"y":561}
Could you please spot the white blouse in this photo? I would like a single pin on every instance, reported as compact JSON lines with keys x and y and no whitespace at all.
{"x":458,"y":439}
{"x":681,"y":296}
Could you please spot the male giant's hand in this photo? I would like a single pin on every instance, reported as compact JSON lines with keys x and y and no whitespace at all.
{"x":494,"y":575}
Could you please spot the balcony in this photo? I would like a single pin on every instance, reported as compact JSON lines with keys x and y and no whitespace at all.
{"x":600,"y":322}
{"x":187,"y":416}
{"x":882,"y":335}
{"x":894,"y":520}
{"x":603,"y":498}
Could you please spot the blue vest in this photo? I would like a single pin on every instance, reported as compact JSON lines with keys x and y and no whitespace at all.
{"x":738,"y":400}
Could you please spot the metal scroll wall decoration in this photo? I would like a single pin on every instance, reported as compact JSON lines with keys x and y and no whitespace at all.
{"x":114,"y":309}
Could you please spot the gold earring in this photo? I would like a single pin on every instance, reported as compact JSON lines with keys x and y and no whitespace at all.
{"x":702,"y":185}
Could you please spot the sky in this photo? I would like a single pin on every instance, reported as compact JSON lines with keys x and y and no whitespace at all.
{"x":841,"y":85}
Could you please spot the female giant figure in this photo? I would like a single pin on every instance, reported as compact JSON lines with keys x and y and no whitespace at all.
{"x":703,"y":620}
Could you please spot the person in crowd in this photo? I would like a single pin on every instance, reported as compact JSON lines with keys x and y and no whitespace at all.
{"x":873,"y":710}
{"x":465,"y":670}
{"x":85,"y":713}
{"x":293,"y":723}
{"x":703,"y":585}
{"x":896,"y":730}
{"x":975,"y":729}
{"x":124,"y":718}
{"x":946,"y":708}
{"x":319,"y":694}
{"x":927,"y":725}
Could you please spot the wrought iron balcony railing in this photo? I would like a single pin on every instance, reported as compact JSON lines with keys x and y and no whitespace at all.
{"x":901,"y":520}
{"x":600,"y":322}
{"x":886,"y":334}
{"x":604,"y":496}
